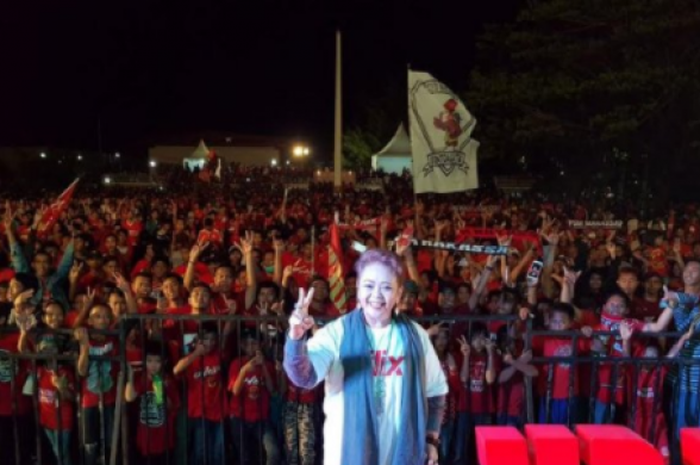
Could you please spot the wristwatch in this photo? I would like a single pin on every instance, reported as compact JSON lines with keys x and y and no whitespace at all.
{"x":433,"y":441}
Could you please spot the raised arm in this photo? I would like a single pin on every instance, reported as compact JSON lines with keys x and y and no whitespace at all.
{"x":298,"y":363}
{"x":66,"y":261}
{"x":190,"y":274}
{"x":188,"y":360}
{"x":483,"y":281}
{"x":251,"y":288}
{"x":279,"y":248}
{"x":81,"y":335}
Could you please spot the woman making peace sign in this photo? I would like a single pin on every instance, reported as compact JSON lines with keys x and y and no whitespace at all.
{"x":385,"y":390}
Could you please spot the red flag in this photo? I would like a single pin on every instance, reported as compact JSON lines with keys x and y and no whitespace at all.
{"x":54,"y":212}
{"x":336,"y":276}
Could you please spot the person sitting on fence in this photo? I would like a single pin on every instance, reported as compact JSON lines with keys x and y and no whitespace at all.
{"x":160,"y":401}
{"x":202,"y":370}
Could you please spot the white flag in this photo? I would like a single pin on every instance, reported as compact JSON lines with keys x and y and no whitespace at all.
{"x":444,"y":154}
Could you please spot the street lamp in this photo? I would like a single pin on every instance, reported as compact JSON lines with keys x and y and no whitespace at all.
{"x":43,"y":155}
{"x":273,"y":162}
{"x":301,"y":151}
{"x":152,"y":164}
{"x":117,"y":155}
{"x":80,"y":157}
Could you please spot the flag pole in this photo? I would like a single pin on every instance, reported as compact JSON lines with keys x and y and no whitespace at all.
{"x":337,"y":153}
{"x":408,"y":107}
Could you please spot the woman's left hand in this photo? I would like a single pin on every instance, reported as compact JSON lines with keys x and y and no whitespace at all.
{"x":431,"y":453}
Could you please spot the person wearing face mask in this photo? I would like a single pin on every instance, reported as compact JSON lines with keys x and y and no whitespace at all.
{"x":385,"y":389}
{"x":611,"y":378}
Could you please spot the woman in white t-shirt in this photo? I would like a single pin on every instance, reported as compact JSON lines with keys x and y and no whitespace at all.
{"x":385,"y":390}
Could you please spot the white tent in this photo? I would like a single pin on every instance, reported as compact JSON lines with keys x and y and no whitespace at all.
{"x":396,"y":155}
{"x":198,"y":158}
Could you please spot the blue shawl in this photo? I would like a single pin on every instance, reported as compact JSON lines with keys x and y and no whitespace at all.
{"x":360,"y":424}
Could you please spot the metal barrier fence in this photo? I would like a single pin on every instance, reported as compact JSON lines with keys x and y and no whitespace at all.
{"x":284,"y":429}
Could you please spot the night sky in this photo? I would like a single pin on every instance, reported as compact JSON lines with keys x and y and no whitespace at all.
{"x":151,"y":68}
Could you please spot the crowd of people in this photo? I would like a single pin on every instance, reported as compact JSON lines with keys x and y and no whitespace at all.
{"x":170,"y":311}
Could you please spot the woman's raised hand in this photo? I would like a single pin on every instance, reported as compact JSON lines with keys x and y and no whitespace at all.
{"x":300,"y":321}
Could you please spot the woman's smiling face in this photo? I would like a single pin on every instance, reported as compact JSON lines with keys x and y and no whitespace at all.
{"x":377,"y":290}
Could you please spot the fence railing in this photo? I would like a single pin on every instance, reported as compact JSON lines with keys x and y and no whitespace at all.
{"x":213,"y":418}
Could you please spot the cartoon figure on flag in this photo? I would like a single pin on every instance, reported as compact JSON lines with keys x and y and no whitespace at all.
{"x":444,"y":154}
{"x":449,"y":121}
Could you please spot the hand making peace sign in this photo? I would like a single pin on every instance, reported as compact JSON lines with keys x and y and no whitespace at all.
{"x":300,"y":321}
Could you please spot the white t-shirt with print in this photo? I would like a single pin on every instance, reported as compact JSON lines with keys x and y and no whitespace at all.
{"x":324,"y":353}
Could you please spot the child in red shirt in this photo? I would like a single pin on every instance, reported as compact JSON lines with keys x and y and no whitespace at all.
{"x":251,"y":384}
{"x":510,"y":407}
{"x":155,"y":433}
{"x":478,"y":374}
{"x":99,"y":384}
{"x":611,"y":391}
{"x":205,"y":397}
{"x":558,"y":399}
{"x":56,"y":383}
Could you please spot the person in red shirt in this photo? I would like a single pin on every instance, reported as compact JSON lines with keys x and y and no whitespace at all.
{"x":251,"y":384}
{"x":476,"y":396}
{"x":141,"y":287}
{"x":510,"y":410}
{"x":647,"y":308}
{"x":132,"y":224}
{"x":210,"y":235}
{"x":13,"y":405}
{"x":441,"y":343}
{"x":202,"y":370}
{"x":160,"y":401}
{"x":649,"y":422}
{"x":99,"y":383}
{"x":56,"y":383}
{"x":611,"y":396}
{"x":56,"y":387}
{"x":559,"y":399}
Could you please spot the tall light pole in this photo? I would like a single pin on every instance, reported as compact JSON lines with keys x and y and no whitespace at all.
{"x":338,"y":147}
